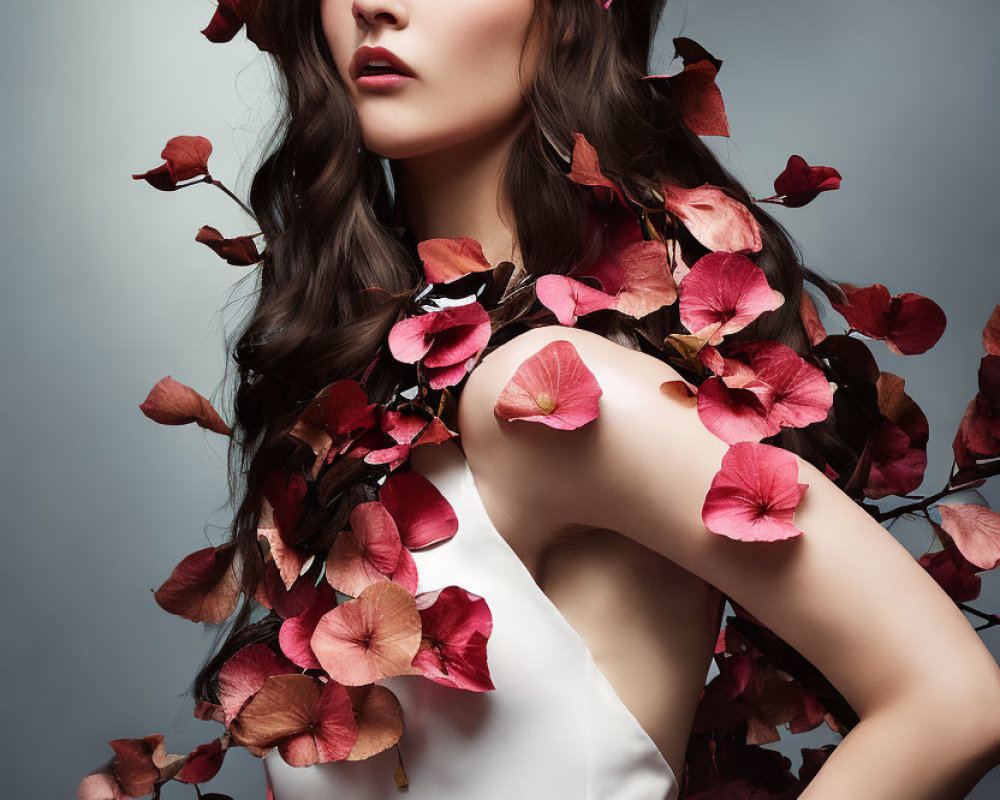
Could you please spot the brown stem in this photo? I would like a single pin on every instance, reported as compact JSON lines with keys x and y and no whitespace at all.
{"x":921,"y":506}
{"x":988,"y":617}
{"x":221,"y":185}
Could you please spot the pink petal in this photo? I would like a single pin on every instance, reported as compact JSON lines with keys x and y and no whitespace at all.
{"x":463,"y":330}
{"x":727,"y":292}
{"x":446,"y":260}
{"x":754,"y":494}
{"x":553,"y":387}
{"x":366,"y":552}
{"x":296,"y":632}
{"x":370,"y":637}
{"x":569,"y":299}
{"x":803,"y":394}
{"x":737,"y":414}
{"x":715,"y":219}
{"x":976,"y":531}
{"x":244,"y":674}
{"x":406,"y":574}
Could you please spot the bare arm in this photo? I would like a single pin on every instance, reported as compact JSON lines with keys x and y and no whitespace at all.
{"x":845,"y":594}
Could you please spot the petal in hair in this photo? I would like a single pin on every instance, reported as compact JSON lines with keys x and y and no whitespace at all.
{"x":447,"y":260}
{"x":365,"y":552}
{"x":422,"y":514}
{"x":722,"y":294}
{"x":715,"y":219}
{"x":245,"y":672}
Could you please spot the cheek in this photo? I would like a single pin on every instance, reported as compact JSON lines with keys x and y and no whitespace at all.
{"x":476,"y":61}
{"x":337,"y":23}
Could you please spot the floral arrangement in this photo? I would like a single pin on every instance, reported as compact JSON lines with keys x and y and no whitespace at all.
{"x":354,"y":617}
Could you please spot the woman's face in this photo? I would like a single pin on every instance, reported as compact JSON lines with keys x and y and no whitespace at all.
{"x":463,"y":55}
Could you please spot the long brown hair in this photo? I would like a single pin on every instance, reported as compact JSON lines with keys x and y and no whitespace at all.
{"x":340,"y":267}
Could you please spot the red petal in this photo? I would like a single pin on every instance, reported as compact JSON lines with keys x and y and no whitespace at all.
{"x":953,"y":573}
{"x":991,"y":333}
{"x":585,"y":168}
{"x":699,"y":97}
{"x":187,"y":157}
{"x":172,"y":403}
{"x":422,"y":514}
{"x":203,"y":587}
{"x":800,"y":183}
{"x":203,"y":763}
{"x":240,"y":252}
{"x":134,"y":766}
{"x":909,"y":323}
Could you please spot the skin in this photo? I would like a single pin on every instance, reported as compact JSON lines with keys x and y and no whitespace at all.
{"x":607,"y":517}
{"x":449,"y":131}
{"x":845,"y":594}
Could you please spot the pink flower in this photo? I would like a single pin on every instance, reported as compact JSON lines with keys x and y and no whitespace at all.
{"x":373,"y":636}
{"x":446,"y":342}
{"x":722,"y":294}
{"x":754,"y":495}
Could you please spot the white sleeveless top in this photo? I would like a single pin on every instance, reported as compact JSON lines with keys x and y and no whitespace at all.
{"x":553,"y":727}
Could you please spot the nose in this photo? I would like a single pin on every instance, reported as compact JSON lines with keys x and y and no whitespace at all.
{"x":368,"y":13}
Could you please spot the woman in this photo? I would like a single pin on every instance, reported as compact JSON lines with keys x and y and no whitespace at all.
{"x":588,"y":553}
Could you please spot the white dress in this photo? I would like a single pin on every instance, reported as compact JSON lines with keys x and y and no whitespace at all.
{"x":552,"y":729}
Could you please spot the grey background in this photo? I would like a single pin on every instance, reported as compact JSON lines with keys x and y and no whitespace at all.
{"x":106,"y":292}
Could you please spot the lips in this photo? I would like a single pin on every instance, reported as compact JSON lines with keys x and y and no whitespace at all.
{"x":364,"y":54}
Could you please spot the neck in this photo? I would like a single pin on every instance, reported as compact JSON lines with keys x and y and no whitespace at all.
{"x":456,"y":191}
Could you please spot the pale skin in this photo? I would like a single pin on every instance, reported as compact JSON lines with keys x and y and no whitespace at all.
{"x":607,"y":518}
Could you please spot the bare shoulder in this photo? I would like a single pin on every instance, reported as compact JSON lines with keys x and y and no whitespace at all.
{"x":528,"y":460}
